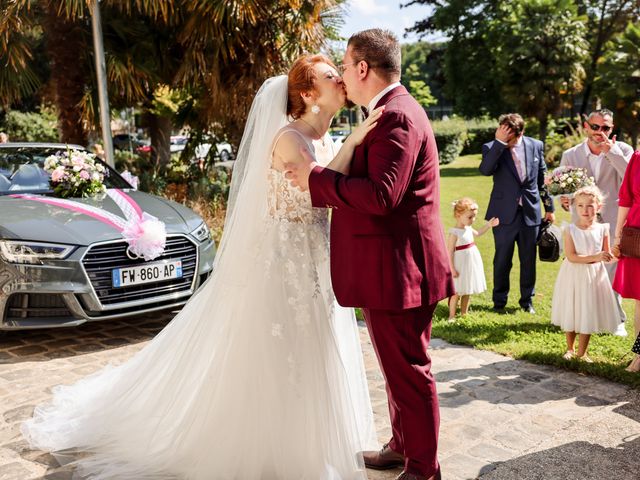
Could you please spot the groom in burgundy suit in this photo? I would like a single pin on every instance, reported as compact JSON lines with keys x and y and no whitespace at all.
{"x":388,"y":251}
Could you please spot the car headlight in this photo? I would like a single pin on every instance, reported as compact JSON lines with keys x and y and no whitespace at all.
{"x":14,"y":251}
{"x":202,"y":233}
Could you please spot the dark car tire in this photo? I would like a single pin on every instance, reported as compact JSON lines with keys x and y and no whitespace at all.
{"x":225,"y":156}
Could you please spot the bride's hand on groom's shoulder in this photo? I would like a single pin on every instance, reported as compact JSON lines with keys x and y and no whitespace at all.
{"x":360,"y":132}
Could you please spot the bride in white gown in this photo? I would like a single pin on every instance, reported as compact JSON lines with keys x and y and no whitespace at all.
{"x":260,"y":376}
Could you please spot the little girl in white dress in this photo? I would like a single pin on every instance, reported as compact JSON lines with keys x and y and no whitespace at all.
{"x":466,"y":262}
{"x":583,"y":300}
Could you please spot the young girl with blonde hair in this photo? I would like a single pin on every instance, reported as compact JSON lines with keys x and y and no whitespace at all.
{"x":466,"y":262}
{"x":583,"y":301}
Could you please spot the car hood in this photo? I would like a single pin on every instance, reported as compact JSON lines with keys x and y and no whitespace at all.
{"x":29,"y":220}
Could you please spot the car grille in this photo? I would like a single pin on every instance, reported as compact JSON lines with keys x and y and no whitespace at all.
{"x":101,"y":259}
{"x":36,"y":305}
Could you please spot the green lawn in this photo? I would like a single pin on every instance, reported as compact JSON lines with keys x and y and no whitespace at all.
{"x":518,"y":334}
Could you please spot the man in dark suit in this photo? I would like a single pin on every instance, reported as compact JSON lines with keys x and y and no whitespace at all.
{"x":388,"y":252}
{"x":518,"y":168}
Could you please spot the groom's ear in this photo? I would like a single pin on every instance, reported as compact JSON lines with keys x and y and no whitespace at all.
{"x":363,"y":68}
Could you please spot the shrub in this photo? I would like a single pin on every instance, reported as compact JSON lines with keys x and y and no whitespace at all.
{"x":206,"y":194}
{"x":450,"y":137}
{"x":133,"y":162}
{"x":560,"y":140}
{"x":31,"y":126}
{"x":479,"y":132}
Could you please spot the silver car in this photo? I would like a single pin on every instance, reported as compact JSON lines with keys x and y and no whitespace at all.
{"x":62,"y":268}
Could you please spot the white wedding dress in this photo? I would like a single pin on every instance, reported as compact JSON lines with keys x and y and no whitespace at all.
{"x":260,"y":376}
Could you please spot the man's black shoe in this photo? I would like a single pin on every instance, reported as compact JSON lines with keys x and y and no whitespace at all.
{"x":499,"y":310}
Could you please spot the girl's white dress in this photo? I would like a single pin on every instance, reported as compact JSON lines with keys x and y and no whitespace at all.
{"x":468,"y":263}
{"x":583,"y":300}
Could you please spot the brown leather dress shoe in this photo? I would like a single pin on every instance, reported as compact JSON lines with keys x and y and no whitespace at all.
{"x":383,"y":459}
{"x":411,"y":476}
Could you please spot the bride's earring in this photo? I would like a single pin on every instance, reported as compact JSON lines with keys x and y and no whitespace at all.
{"x":315,"y":109}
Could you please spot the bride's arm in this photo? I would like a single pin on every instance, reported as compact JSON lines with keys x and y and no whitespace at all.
{"x":342,"y":160}
{"x":287,"y":150}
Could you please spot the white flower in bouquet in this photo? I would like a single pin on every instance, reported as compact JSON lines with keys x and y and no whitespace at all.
{"x":564,"y":181}
{"x":75,"y":173}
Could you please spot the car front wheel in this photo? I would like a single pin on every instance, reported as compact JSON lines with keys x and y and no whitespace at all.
{"x":225,"y":156}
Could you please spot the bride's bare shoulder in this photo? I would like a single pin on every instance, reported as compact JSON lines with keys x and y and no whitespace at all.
{"x":286,"y":148}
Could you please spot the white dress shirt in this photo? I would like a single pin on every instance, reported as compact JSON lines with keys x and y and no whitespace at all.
{"x":374,"y":101}
{"x":595,"y":161}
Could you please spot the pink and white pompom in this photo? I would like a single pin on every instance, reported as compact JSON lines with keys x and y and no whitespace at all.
{"x":146,"y":236}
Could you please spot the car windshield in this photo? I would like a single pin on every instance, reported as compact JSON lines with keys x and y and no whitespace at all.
{"x":21,"y":171}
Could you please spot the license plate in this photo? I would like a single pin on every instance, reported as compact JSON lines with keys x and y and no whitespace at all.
{"x":153,"y":272}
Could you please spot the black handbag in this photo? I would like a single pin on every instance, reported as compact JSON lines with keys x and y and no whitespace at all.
{"x":549,"y":238}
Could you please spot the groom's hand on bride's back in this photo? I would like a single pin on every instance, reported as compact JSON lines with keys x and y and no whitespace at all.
{"x":298,"y":172}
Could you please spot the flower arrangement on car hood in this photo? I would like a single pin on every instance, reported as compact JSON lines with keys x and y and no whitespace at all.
{"x":75,"y":173}
{"x":567,"y":180}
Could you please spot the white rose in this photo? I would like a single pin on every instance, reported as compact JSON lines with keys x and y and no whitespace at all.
{"x":563,"y":185}
{"x":570,"y":180}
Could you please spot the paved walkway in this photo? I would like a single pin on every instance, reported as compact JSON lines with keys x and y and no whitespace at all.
{"x":501,"y":418}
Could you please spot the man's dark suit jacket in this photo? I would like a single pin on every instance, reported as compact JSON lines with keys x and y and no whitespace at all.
{"x":507,"y":187}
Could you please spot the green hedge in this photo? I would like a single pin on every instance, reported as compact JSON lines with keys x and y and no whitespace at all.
{"x":465,"y":137}
{"x":31,"y":126}
{"x":479,"y":132}
{"x":450,"y":138}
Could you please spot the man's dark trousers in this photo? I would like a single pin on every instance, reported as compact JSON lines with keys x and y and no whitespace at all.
{"x":505,"y":238}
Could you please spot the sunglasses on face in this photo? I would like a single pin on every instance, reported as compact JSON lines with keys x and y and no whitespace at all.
{"x":597,"y":128}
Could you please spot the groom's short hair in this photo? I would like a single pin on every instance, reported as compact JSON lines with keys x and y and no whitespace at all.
{"x":380,"y":49}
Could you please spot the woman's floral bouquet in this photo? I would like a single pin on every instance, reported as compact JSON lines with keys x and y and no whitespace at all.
{"x":75,"y":173}
{"x":567,"y":180}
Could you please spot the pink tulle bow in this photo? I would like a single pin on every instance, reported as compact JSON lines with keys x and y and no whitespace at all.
{"x":146,"y":236}
{"x":131,"y":179}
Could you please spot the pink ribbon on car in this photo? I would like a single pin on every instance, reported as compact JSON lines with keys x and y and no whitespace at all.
{"x":145,"y":234}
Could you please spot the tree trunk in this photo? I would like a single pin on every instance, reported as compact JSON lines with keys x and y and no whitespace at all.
{"x":544,"y":124}
{"x":65,"y":41}
{"x":160,"y":133}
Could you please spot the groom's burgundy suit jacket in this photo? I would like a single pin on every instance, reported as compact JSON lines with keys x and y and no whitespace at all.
{"x":387,"y":242}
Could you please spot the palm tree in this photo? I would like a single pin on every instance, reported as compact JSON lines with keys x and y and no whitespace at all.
{"x":19,"y":36}
{"x":218,"y":51}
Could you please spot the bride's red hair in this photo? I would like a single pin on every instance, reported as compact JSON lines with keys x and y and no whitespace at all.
{"x":302,"y":78}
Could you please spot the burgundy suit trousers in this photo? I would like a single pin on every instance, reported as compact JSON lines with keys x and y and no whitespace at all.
{"x":400,"y":339}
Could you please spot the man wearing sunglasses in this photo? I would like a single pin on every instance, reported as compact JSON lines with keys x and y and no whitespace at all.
{"x":605,"y":159}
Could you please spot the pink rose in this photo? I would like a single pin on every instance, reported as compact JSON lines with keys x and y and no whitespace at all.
{"x":57,"y":174}
{"x":85,"y":175}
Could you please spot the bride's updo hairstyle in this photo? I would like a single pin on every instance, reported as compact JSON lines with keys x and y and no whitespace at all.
{"x":302,"y":78}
